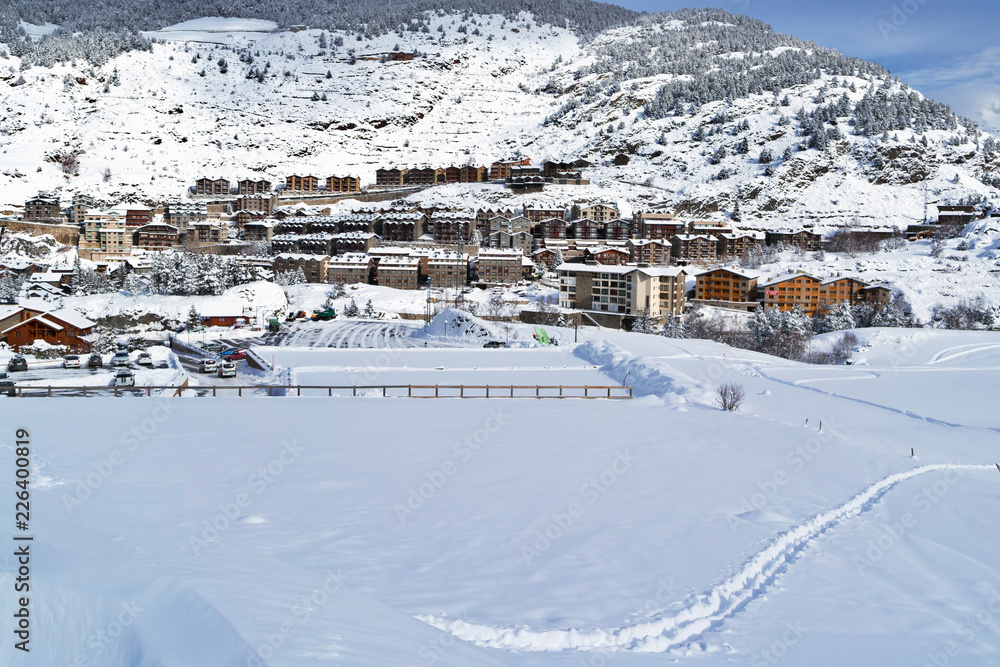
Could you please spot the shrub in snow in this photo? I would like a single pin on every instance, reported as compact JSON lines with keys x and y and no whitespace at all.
{"x":729,"y":396}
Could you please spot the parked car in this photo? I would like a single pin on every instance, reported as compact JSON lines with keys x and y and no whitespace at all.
{"x":212,"y":347}
{"x":144,"y":359}
{"x":495,"y":343}
{"x":234,"y":354}
{"x":17,"y":363}
{"x":6,"y":385}
{"x":227,"y":369}
{"x":124,"y":378}
{"x":121,"y":358}
{"x":71,"y":361}
{"x":95,"y":361}
{"x":209,"y":365}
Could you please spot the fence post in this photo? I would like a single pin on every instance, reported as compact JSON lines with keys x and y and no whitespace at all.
{"x":239,"y":391}
{"x":384,"y":389}
{"x":538,"y":391}
{"x":298,"y":390}
{"x":585,"y":391}
{"x":436,"y":389}
{"x":213,"y":390}
{"x":116,"y":392}
{"x":354,"y":390}
{"x":50,"y":391}
{"x":487,"y":391}
{"x":409,"y":391}
{"x":461,"y":391}
{"x":329,"y":391}
{"x":148,"y":390}
{"x":84,"y":391}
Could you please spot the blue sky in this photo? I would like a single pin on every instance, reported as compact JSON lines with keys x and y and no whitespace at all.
{"x":948,"y":50}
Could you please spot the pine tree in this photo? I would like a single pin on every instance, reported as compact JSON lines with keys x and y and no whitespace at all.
{"x":643,"y":323}
{"x":193,"y":318}
{"x":370,"y":311}
{"x":351,"y":310}
{"x":674,"y":327}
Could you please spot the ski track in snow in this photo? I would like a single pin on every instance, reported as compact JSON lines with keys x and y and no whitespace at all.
{"x":703,"y":613}
{"x":758,"y":372}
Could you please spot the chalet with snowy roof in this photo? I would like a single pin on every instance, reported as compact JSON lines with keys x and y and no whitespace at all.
{"x":390,"y":178}
{"x":58,"y":327}
{"x":596,"y":212}
{"x":182,"y":214}
{"x":606,"y":255}
{"x":42,"y":209}
{"x":343,"y":184}
{"x":499,"y":266}
{"x":301,"y":184}
{"x":553,"y":228}
{"x":248,"y":186}
{"x":398,"y":272}
{"x":351,"y":268}
{"x":500,"y":170}
{"x":657,"y":225}
{"x":874,"y":295}
{"x":446,"y":268}
{"x":536,"y":215}
{"x":403,"y":226}
{"x":585,"y":228}
{"x":137,"y":216}
{"x":617,"y":230}
{"x":957,"y":215}
{"x":368,"y":222}
{"x":710,"y":227}
{"x":259,"y":231}
{"x":425,"y":176}
{"x":43,"y":291}
{"x":693,"y":247}
{"x":801,"y":238}
{"x":728,"y":288}
{"x":259,"y":203}
{"x":544,"y":257}
{"x":313,"y":266}
{"x":450,"y":227}
{"x":648,"y":251}
{"x":346,"y":242}
{"x":205,"y":233}
{"x":156,"y":236}
{"x":211,"y":187}
{"x":484,"y":215}
{"x":810,"y":293}
{"x":523,"y":242}
{"x":737,"y":244}
{"x":222,"y":313}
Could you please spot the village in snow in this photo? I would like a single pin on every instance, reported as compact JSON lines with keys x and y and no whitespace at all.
{"x":704,"y":358}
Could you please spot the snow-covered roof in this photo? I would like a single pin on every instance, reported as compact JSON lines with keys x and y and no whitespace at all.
{"x":742,"y":274}
{"x":72,"y":318}
{"x":663,"y":271}
{"x":219,"y":308}
{"x":299,"y":257}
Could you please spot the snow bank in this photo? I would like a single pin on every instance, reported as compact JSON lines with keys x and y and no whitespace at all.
{"x":455,"y":323}
{"x":645,"y":378}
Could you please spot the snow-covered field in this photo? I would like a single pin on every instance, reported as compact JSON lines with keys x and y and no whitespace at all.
{"x":370,"y":531}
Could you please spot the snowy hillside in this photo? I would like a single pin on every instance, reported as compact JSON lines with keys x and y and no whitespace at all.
{"x":226,"y":97}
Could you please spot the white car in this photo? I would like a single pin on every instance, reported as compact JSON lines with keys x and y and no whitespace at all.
{"x":144,"y":359}
{"x":124,"y":378}
{"x":227,"y":369}
{"x":209,"y":365}
{"x":120,"y":359}
{"x":71,"y":361}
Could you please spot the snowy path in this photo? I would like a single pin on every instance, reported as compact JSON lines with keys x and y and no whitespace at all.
{"x":704,"y":613}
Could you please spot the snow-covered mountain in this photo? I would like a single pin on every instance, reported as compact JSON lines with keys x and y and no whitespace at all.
{"x":711,"y":109}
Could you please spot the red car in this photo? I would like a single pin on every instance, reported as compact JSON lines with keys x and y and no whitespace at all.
{"x":234,"y":354}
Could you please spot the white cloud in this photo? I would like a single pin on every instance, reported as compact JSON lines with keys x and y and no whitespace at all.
{"x":970,"y":85}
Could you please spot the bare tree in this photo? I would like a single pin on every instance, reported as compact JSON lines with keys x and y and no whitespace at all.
{"x":729,"y":396}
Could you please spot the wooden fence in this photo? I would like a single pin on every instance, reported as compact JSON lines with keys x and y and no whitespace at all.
{"x":388,"y":391}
